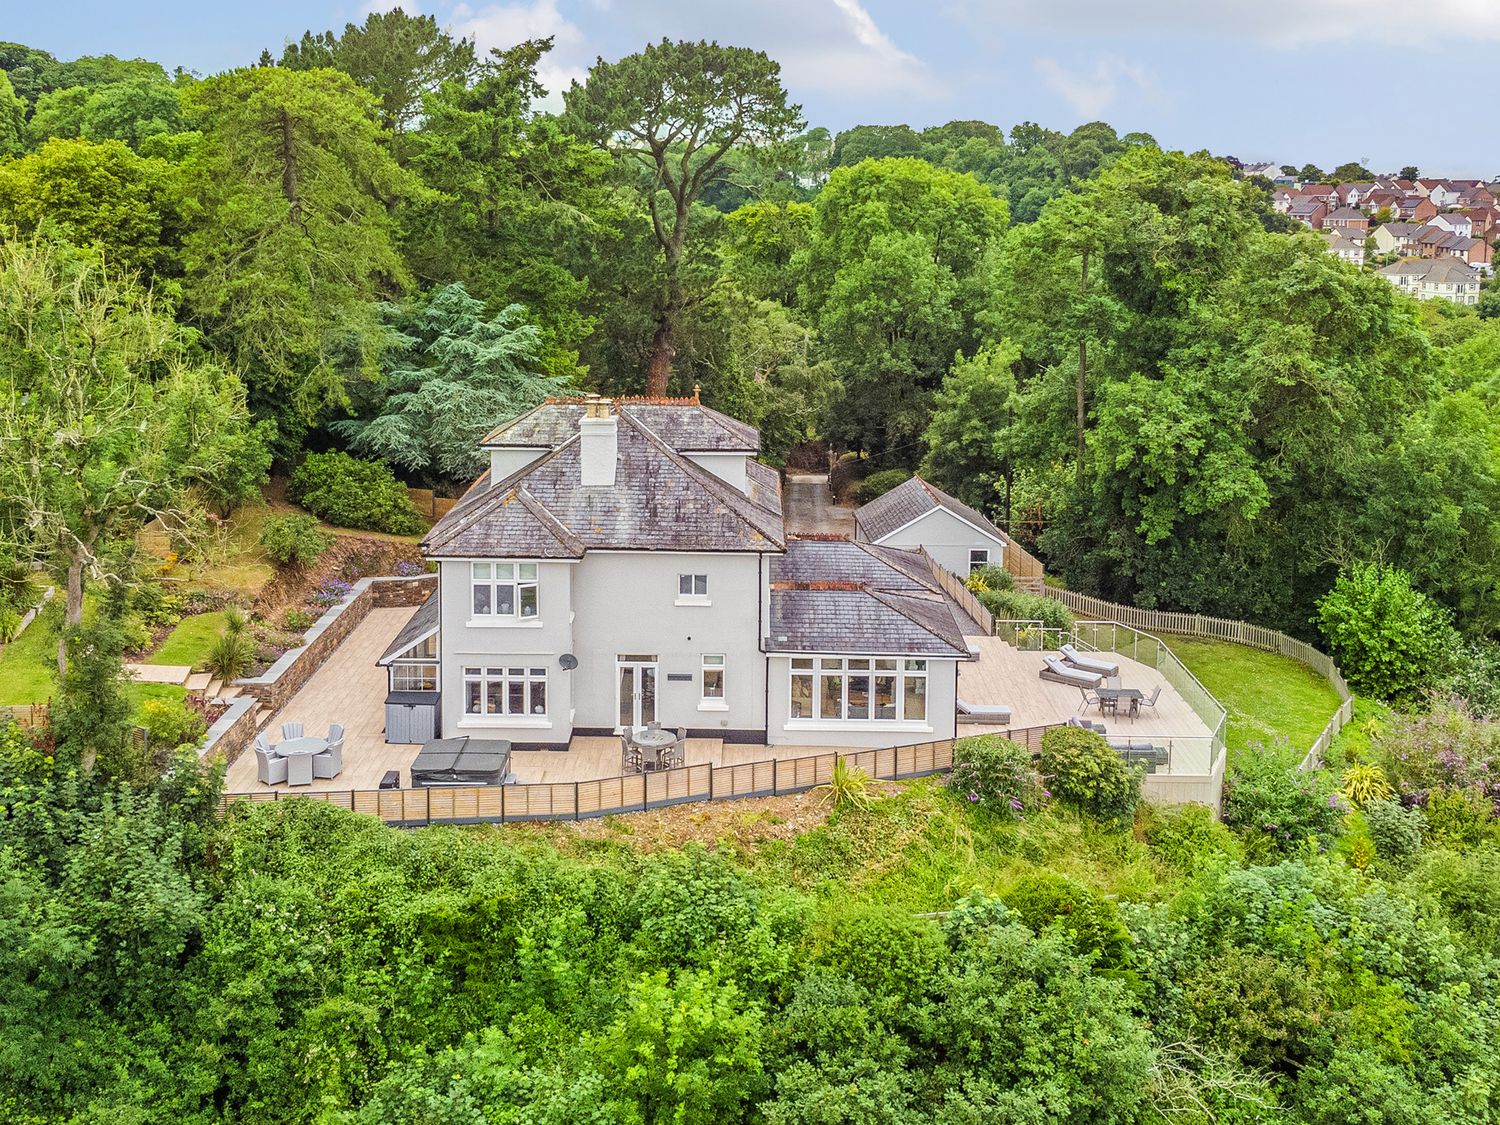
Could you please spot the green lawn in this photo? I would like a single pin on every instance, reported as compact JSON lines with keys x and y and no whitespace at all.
{"x":28,"y":664}
{"x":1269,"y":697}
{"x":191,"y":642}
{"x":139,"y":693}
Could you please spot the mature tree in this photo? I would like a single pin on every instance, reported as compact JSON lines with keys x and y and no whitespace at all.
{"x":12,"y":119}
{"x":893,"y":277}
{"x":677,"y":110}
{"x":91,"y":375}
{"x":875,"y":142}
{"x":398,"y":58}
{"x":31,"y":71}
{"x":973,"y":420}
{"x":1408,"y":172}
{"x":1312,"y":172}
{"x":1351,"y":172}
{"x":58,"y":113}
{"x":295,"y":240}
{"x":450,"y":376}
{"x":518,"y":205}
{"x":133,"y":111}
{"x":103,"y":195}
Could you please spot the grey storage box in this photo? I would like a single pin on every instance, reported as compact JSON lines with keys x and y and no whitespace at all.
{"x":411,"y":716}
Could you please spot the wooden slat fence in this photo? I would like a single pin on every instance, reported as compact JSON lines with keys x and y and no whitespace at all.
{"x":954,"y":587}
{"x":1226,"y":629}
{"x":581,"y":800}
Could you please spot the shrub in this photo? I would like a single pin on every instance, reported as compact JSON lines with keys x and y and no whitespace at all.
{"x":1284,"y":806}
{"x":878,"y":484}
{"x":10,"y":623}
{"x":294,"y":539}
{"x":1476,"y":678}
{"x":171,"y":722}
{"x":1443,"y":747}
{"x":136,"y":633}
{"x":332,"y":592}
{"x":1091,"y":923}
{"x":1082,"y":770}
{"x":1017,"y":605}
{"x":1458,"y":816}
{"x":983,"y":578}
{"x":235,"y":620}
{"x":1396,"y":831}
{"x":995,"y":774}
{"x":156,"y":606}
{"x":1390,"y":639}
{"x":1187,"y":835}
{"x":349,"y":492}
{"x":231,"y":656}
{"x":297,"y":620}
{"x":1365,"y":783}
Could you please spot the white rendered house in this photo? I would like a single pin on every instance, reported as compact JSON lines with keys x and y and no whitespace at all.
{"x":624,"y":562}
{"x":917,"y":514}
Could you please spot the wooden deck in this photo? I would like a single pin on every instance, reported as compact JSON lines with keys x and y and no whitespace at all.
{"x":1006,"y":675}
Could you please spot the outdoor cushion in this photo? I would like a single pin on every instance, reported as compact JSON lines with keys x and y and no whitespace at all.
{"x":1089,"y":663}
{"x":1058,"y":672}
{"x":983,"y":712}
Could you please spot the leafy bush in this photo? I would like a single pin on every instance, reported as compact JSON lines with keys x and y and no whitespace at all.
{"x":294,"y":539}
{"x":1444,"y":747}
{"x":1188,"y":835}
{"x":878,"y":484}
{"x":332,"y":592}
{"x":996,"y":774}
{"x":157,"y":607}
{"x":1390,"y":640}
{"x":1282,"y":805}
{"x":1475,"y":677}
{"x":991,"y":577}
{"x":1366,"y":782}
{"x":10,"y":623}
{"x":1396,"y":831}
{"x":1458,"y":816}
{"x":1093,"y":924}
{"x":348,"y":492}
{"x":297,"y":620}
{"x":1082,"y":770}
{"x":1017,"y":605}
{"x":231,"y":656}
{"x":171,"y":722}
{"x":136,"y":633}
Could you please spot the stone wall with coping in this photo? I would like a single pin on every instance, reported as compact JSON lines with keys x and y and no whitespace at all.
{"x":282,"y":680}
{"x":231,"y":732}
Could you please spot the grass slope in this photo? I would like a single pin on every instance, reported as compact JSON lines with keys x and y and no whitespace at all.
{"x":27,"y":665}
{"x":191,"y":641}
{"x":1272,"y":700}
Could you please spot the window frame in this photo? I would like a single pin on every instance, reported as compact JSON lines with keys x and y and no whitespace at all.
{"x":985,"y":561}
{"x":427,"y":669}
{"x":825,"y":678}
{"x":499,"y":683}
{"x":523,"y":591}
{"x":709,"y":663}
{"x":696,"y":591}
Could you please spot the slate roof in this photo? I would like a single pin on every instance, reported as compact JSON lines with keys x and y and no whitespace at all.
{"x":423,"y":623}
{"x":660,"y":501}
{"x":908,"y":501}
{"x":1345,"y":215}
{"x":1442,"y":271}
{"x":837,"y":596}
{"x":685,"y":424}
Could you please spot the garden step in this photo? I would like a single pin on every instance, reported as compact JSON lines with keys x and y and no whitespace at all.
{"x":200,"y":683}
{"x":159,"y":673}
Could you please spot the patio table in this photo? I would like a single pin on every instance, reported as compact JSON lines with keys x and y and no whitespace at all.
{"x":1110,"y":697}
{"x":652,"y":743}
{"x":298,"y":753}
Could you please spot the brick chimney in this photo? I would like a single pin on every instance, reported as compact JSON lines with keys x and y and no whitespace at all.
{"x":598,"y":442}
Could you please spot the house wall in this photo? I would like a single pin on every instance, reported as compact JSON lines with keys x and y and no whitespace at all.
{"x":535,"y":645}
{"x":942,"y":692}
{"x":728,"y":467}
{"x":627,"y":602}
{"x":503,"y":462}
{"x":947,"y":539}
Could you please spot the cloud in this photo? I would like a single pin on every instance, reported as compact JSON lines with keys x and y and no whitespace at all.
{"x":500,"y":26}
{"x":1091,"y":93}
{"x":1275,"y":23}
{"x":836,"y":46}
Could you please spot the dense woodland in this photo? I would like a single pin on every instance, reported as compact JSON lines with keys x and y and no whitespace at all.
{"x":343,"y":262}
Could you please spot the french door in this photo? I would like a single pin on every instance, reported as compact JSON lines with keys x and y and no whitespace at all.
{"x":635,"y":679}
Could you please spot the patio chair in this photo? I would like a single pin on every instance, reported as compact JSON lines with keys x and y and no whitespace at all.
{"x":1059,"y":673}
{"x":681,"y":739}
{"x":291,"y":730}
{"x":996,"y":713}
{"x":262,"y":744}
{"x":1088,"y":663}
{"x":1090,"y":699}
{"x":330,"y":763}
{"x":269,"y":769}
{"x":630,"y":755}
{"x":1149,"y":701}
{"x":336,"y":733}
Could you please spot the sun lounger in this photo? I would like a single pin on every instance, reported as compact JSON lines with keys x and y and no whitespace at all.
{"x":1089,"y":663}
{"x":1055,"y":670}
{"x":994,"y":713}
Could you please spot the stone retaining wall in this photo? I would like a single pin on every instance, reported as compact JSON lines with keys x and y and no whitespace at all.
{"x":231,"y":732}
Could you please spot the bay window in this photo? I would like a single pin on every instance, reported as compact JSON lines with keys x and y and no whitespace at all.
{"x":856,"y":688}
{"x":504,"y":590}
{"x":505,"y":691}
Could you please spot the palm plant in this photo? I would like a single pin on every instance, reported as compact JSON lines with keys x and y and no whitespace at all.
{"x":849,"y":787}
{"x":231,"y":656}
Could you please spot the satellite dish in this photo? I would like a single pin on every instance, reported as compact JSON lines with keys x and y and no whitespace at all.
{"x":568,"y":661}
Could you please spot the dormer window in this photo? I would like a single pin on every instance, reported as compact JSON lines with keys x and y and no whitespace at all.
{"x":504,"y":590}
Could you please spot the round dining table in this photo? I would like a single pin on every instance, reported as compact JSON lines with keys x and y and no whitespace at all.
{"x":298,"y":753}
{"x":651,"y":742}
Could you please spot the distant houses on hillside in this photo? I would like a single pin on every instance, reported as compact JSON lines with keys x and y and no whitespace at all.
{"x":1443,"y":229}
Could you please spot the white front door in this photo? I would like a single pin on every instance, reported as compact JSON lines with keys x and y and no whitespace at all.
{"x":635,"y":678}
